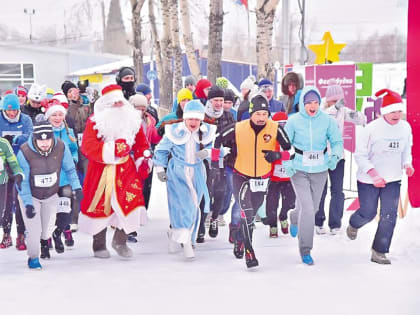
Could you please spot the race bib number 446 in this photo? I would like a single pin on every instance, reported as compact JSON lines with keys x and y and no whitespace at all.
{"x":45,"y":180}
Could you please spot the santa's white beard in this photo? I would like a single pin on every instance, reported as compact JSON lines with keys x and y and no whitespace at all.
{"x":118,"y":123}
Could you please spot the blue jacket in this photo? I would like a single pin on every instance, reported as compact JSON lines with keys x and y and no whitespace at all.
{"x":61,"y":133}
{"x":20,"y":129}
{"x":275,"y":106}
{"x":296,"y":103}
{"x":67,"y":166}
{"x":308,"y":133}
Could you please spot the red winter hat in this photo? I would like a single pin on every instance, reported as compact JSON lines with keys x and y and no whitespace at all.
{"x":280,"y":116}
{"x":62,"y":99}
{"x":391,"y":101}
{"x":110,"y":94}
{"x":53,"y":106}
{"x":201,"y":85}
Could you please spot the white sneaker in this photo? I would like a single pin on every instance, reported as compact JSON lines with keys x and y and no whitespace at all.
{"x":207,"y":221}
{"x":320,"y":230}
{"x":221,"y":220}
{"x":188,"y":251}
{"x":335,"y":231}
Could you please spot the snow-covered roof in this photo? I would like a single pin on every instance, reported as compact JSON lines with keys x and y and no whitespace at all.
{"x":108,"y":68}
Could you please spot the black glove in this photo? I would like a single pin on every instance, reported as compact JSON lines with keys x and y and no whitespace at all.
{"x":18,"y":180}
{"x":78,"y":194}
{"x":271,"y":156}
{"x":30,"y":211}
{"x":9,"y":138}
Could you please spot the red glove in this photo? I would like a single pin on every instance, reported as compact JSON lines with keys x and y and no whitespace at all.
{"x":215,"y":154}
{"x":378,"y":181}
{"x":121,"y":148}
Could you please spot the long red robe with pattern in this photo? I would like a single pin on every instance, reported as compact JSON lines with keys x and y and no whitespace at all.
{"x":112,"y":188}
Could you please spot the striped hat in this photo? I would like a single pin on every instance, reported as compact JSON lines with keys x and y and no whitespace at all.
{"x":42,"y":130}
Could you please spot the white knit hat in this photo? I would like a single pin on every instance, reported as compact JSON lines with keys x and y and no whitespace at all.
{"x":248,"y":83}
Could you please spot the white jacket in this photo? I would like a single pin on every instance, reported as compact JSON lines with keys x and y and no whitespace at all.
{"x":384,"y":147}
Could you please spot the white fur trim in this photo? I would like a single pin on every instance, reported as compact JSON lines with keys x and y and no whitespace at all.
{"x":108,"y":152}
{"x":392,"y":108}
{"x":193,"y":115}
{"x":107,"y":100}
{"x":138,"y":162}
{"x":55,"y":108}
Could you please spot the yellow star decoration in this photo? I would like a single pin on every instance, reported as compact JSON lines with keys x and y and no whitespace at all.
{"x":328,"y":51}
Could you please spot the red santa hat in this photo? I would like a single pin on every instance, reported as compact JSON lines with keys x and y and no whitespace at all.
{"x":391,"y":101}
{"x":62,"y":99}
{"x":53,"y":106}
{"x":110,"y":94}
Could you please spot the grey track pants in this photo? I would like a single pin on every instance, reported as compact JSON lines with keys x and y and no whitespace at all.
{"x":37,"y":227}
{"x":308,"y":188}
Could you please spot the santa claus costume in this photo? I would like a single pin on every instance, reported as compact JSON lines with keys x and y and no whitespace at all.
{"x":113,"y":184}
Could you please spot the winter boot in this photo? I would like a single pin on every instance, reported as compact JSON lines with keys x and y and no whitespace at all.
{"x":293,"y":230}
{"x":307,"y":259}
{"x":233,"y":230}
{"x":238,"y":249}
{"x":274,"y":232}
{"x":284,"y":226}
{"x":250,"y":259}
{"x":119,"y":243}
{"x":7,"y":241}
{"x":68,"y":238}
{"x":50,"y":245}
{"x":33,"y":263}
{"x":200,"y":237}
{"x":58,"y":243}
{"x":379,"y":258}
{"x":320,"y":230}
{"x":20,"y":242}
{"x":45,"y":250}
{"x":99,"y":245}
{"x":132,"y":237}
{"x":351,"y":232}
{"x":213,"y":229}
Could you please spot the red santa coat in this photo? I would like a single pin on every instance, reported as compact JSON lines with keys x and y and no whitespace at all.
{"x":112,"y":187}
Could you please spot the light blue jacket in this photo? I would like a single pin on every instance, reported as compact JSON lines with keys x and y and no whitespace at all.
{"x":67,"y":166}
{"x":308,"y":133}
{"x":61,"y":133}
{"x":21,"y":129}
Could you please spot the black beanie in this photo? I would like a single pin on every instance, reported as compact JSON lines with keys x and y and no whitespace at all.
{"x":215,"y":91}
{"x":230,"y":95}
{"x":125,"y":71}
{"x":66,"y":86}
{"x":258,"y":102}
{"x":42,"y":130}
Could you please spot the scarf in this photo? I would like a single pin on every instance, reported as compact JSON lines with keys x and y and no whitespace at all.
{"x":209,"y":109}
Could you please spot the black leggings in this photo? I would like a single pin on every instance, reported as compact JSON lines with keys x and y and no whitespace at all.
{"x":3,"y":194}
{"x":63,"y":219}
{"x":12,"y":202}
{"x":288,"y":198}
{"x":249,"y":202}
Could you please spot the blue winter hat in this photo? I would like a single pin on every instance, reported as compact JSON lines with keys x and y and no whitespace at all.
{"x":310,"y":97}
{"x":264,"y":82}
{"x":10,"y":102}
{"x":143,"y":88}
{"x":193,"y":109}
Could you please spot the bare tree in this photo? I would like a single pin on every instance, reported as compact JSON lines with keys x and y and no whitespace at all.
{"x":214,"y":67}
{"x":265,"y":13}
{"x":156,"y":40}
{"x":136,"y":6}
{"x":176,"y":47}
{"x":188,"y":39}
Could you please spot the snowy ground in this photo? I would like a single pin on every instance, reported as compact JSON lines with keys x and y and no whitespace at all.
{"x":342,"y":281}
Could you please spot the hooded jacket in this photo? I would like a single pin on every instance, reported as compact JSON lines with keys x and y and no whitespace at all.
{"x":310,"y":134}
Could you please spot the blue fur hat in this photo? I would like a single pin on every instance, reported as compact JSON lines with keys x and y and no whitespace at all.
{"x":193,"y":109}
{"x":10,"y":102}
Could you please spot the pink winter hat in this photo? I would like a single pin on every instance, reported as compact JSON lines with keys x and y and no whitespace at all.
{"x":334,"y":91}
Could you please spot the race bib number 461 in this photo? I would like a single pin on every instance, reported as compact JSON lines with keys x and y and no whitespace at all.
{"x":313,"y":158}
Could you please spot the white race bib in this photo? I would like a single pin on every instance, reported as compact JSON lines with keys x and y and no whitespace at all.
{"x":64,"y":205}
{"x":1,"y":164}
{"x":393,"y":145}
{"x":79,"y":139}
{"x":258,"y":185}
{"x":280,"y":171}
{"x":313,"y":158}
{"x":45,"y":180}
{"x":10,"y":133}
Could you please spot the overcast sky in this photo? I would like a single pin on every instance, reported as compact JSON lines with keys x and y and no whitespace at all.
{"x":346,"y":19}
